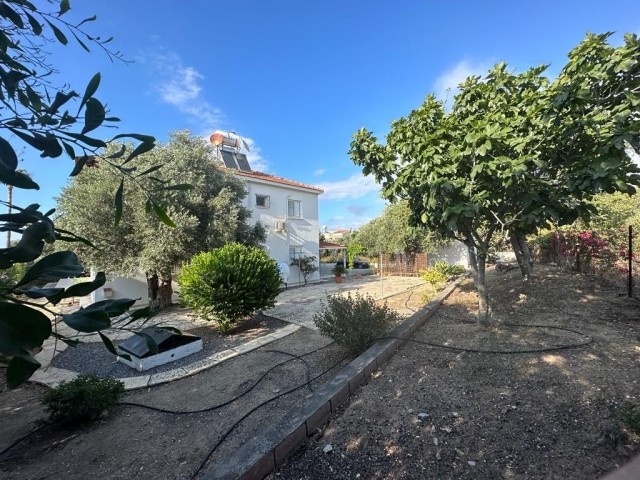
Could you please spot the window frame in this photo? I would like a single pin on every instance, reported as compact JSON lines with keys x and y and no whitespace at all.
{"x":267,"y":199}
{"x":294,"y":202}
{"x":296,"y":249}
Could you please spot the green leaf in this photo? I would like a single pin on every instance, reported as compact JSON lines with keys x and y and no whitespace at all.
{"x":151,"y":344}
{"x":147,"y":206}
{"x":58,"y":33}
{"x":113,"y":308}
{"x":20,"y":369}
{"x":65,"y":6}
{"x":35,"y":25}
{"x":92,"y":87}
{"x":80,"y":163}
{"x":111,"y":348}
{"x":150,"y":170}
{"x":118,"y":202}
{"x":89,"y":19}
{"x":87,"y":321}
{"x":56,"y":265}
{"x":92,"y":142}
{"x":61,"y":99}
{"x":181,"y":187}
{"x":34,"y":292}
{"x":79,"y":289}
{"x":139,"y":150}
{"x":16,"y":179}
{"x":136,"y":136}
{"x":7,"y":155}
{"x":21,"y":327}
{"x":162,"y":215}
{"x":94,"y":115}
{"x":12,"y":15}
{"x":119,"y":153}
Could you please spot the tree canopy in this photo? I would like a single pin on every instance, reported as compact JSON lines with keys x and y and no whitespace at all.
{"x":207,"y":210}
{"x":516,"y":151}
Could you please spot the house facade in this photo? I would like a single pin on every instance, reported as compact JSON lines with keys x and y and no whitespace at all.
{"x":289,"y":211}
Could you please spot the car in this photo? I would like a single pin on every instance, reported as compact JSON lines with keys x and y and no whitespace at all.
{"x":357,"y":263}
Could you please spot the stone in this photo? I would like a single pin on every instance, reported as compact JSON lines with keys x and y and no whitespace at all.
{"x":423,"y":415}
{"x":327,"y":448}
{"x":435,"y":441}
{"x":472,"y":463}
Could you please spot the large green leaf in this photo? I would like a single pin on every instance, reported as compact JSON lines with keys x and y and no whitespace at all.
{"x":7,"y":155}
{"x":112,"y":308}
{"x":20,"y":369}
{"x":21,"y":327}
{"x":162,"y":215}
{"x":92,"y":87}
{"x":87,"y":321}
{"x":56,"y":265}
{"x":93,"y":116}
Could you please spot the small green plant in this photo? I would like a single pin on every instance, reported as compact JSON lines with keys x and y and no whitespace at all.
{"x":338,"y":270}
{"x":435,"y":277}
{"x":629,"y":415}
{"x":229,"y":283}
{"x":354,"y":322}
{"x":82,"y":399}
{"x":448,"y":270}
{"x":307,"y":266}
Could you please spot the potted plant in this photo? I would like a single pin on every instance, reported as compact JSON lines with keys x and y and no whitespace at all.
{"x":339,"y":271}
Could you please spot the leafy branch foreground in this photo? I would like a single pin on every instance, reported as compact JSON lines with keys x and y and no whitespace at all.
{"x":54,"y":121}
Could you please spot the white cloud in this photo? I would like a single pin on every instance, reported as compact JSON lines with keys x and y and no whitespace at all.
{"x":453,"y":77}
{"x":180,"y":85}
{"x":318,"y":172}
{"x":356,"y":186}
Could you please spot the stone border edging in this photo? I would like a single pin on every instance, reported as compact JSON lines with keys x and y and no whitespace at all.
{"x":264,"y":452}
{"x":52,"y":376}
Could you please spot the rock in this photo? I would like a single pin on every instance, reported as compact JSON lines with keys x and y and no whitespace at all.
{"x":455,"y":414}
{"x":327,"y":448}
{"x":423,"y":415}
{"x":472,"y":463}
{"x":435,"y":441}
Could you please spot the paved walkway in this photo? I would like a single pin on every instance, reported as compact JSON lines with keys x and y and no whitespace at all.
{"x":299,"y":305}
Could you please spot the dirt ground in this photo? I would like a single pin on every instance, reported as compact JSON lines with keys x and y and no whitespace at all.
{"x":429,"y":413}
{"x":433,"y":413}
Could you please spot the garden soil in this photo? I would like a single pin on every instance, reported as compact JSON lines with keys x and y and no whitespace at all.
{"x":428,"y":413}
{"x":434,"y":413}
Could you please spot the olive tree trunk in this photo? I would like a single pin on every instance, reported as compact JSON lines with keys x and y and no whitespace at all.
{"x":522,"y":252}
{"x":160,"y":290}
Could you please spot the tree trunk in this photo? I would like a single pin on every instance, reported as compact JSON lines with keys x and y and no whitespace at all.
{"x":160,"y":291}
{"x":485,"y":317}
{"x":473,"y":262}
{"x":523,"y":254}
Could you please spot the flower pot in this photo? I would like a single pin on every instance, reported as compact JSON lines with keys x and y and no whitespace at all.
{"x":338,"y":279}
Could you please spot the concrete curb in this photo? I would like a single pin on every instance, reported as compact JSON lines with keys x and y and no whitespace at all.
{"x":265,"y":451}
{"x":52,"y":376}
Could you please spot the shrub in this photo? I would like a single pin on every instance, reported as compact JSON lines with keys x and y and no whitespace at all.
{"x":82,"y":399}
{"x":434,"y":277}
{"x":448,"y":270}
{"x":338,"y":270}
{"x":354,"y":322}
{"x":229,"y":283}
{"x":629,"y":415}
{"x":307,"y":266}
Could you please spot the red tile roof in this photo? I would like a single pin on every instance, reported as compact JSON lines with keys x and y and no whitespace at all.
{"x":331,"y":246}
{"x":273,"y":178}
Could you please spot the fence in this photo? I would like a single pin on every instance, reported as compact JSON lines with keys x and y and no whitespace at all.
{"x":404,"y":265}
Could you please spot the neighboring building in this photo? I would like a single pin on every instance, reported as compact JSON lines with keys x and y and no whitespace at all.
{"x":288,"y":209}
{"x":337,"y":235}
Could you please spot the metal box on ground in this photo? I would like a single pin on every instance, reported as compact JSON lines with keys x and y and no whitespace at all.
{"x":171,"y":346}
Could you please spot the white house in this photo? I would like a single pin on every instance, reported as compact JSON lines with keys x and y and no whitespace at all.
{"x":289,"y":211}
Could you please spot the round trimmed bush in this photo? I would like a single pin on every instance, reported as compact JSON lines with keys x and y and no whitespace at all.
{"x":82,"y":399}
{"x":229,"y":283}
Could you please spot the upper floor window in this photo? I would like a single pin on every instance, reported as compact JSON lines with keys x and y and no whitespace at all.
{"x":295,"y":251}
{"x":263,"y":201}
{"x":294,"y":209}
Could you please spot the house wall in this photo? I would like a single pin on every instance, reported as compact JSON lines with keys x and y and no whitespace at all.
{"x":303,"y":232}
{"x":455,"y":253}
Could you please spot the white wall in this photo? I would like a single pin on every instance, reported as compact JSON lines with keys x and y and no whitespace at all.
{"x":304,"y":232}
{"x":455,"y":253}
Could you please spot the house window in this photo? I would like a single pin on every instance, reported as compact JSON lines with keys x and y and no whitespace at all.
{"x":294,"y":209}
{"x":263,"y":201}
{"x":295,"y":252}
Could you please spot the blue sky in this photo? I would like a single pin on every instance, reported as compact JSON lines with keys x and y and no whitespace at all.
{"x":299,"y":78}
